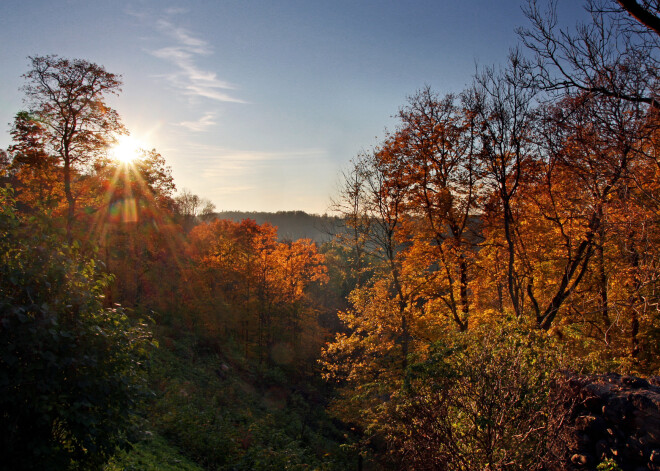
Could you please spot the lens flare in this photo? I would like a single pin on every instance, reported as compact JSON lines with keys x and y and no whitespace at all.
{"x":127,"y":149}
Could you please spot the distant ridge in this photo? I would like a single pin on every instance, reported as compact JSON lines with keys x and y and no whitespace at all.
{"x":291,"y":225}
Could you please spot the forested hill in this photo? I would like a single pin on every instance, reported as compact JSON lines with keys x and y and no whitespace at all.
{"x":291,"y":225}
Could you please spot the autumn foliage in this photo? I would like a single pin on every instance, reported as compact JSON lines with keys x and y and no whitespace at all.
{"x":489,"y":209}
{"x":493,"y":239}
{"x":243,"y":268}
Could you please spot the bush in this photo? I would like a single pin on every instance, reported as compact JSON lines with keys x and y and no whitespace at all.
{"x":485,"y":400}
{"x":71,"y":372}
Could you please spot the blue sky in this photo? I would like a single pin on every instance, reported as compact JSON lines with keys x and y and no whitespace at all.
{"x":258,"y":105}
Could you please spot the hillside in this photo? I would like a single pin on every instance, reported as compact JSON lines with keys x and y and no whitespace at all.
{"x":291,"y":225}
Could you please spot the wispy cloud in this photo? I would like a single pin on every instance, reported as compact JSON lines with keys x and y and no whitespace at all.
{"x":182,"y":36}
{"x":202,"y":124}
{"x":226,"y":154}
{"x":176,"y":11}
{"x":222,"y":162}
{"x":183,"y":54}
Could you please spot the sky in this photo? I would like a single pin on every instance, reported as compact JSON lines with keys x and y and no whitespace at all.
{"x":259,"y":105}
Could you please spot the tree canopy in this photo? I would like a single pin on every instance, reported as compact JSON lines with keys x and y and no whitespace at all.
{"x":66,"y":99}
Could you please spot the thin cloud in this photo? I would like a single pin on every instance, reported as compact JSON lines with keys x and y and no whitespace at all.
{"x":188,"y":77}
{"x":176,"y":11}
{"x":182,"y":36}
{"x":221,"y":163}
{"x":220,"y":153}
{"x":203,"y":123}
{"x":232,"y":190}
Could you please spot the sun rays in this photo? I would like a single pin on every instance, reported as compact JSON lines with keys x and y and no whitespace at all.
{"x":127,"y":150}
{"x":134,"y":214}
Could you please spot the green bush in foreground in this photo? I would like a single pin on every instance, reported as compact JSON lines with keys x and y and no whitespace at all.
{"x":71,"y":371}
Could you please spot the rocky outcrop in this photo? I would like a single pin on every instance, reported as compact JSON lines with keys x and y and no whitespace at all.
{"x":615,"y":417}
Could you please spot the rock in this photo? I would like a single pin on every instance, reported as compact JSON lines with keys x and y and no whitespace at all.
{"x":617,"y":417}
{"x":634,"y":382}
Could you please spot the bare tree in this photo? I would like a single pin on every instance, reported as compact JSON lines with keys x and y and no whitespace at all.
{"x":615,"y":55}
{"x":191,"y":207}
{"x":350,"y":205}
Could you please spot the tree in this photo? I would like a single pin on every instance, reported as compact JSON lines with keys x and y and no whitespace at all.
{"x":355,"y":220}
{"x":190,"y":207}
{"x":435,"y":155}
{"x":130,"y":209}
{"x":409,"y":204}
{"x":299,"y":265}
{"x":384,"y":205}
{"x":615,"y":55}
{"x":244,"y":282}
{"x":593,"y":140}
{"x":602,"y":79}
{"x":502,"y":106}
{"x":34,"y":173}
{"x":67,"y":98}
{"x":647,"y":13}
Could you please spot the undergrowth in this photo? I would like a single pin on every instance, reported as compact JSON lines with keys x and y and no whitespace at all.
{"x":215,"y":410}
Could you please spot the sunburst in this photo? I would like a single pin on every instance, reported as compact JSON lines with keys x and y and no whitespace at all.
{"x":126,"y":150}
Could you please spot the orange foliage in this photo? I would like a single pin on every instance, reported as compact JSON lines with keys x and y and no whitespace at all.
{"x":256,"y":286}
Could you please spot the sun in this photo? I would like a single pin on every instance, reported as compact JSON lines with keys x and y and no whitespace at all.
{"x":126,"y":150}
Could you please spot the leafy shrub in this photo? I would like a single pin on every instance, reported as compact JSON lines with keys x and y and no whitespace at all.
{"x":154,"y":454}
{"x":608,"y":465}
{"x":485,"y":400}
{"x":71,"y":372}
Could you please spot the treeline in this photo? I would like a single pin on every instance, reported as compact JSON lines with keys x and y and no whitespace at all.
{"x":292,"y":225}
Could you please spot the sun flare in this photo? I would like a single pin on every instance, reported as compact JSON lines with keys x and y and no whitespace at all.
{"x":126,"y":150}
